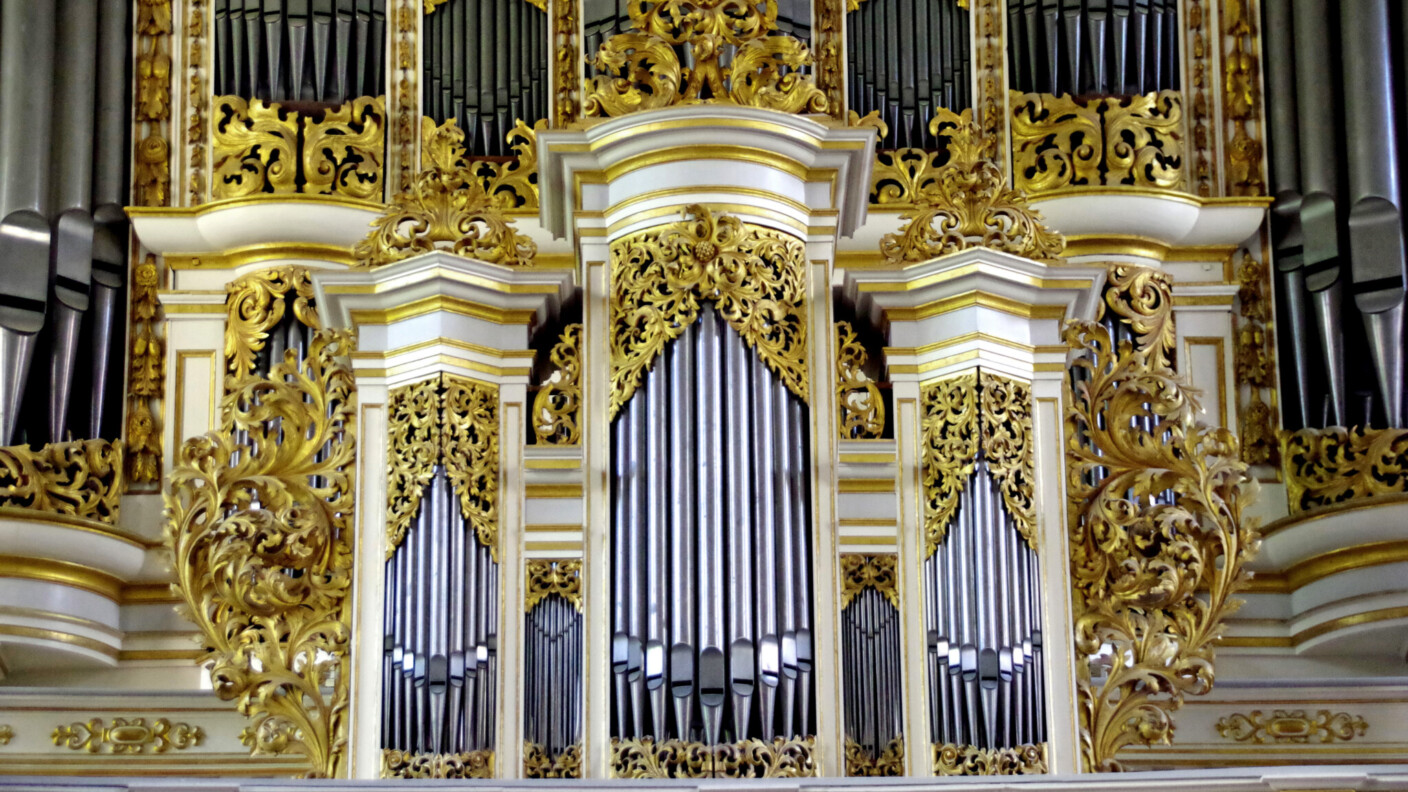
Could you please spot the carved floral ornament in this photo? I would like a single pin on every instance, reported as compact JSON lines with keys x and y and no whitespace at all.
{"x":970,"y":760}
{"x":859,"y":572}
{"x":128,"y":736}
{"x":860,"y":764}
{"x":1292,"y":726}
{"x":471,"y":764}
{"x":556,"y":406}
{"x":642,"y":69}
{"x":861,"y":408}
{"x":446,"y":207}
{"x":546,"y":578}
{"x":753,"y":275}
{"x":255,"y":305}
{"x":752,"y":758}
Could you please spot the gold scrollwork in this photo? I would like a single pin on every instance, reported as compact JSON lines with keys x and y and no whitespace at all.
{"x":1255,"y":363}
{"x":1133,"y":140}
{"x":513,"y":185}
{"x":146,"y":375}
{"x":445,"y":208}
{"x":128,"y":736}
{"x":342,"y":151}
{"x":1335,"y":465}
{"x":899,"y":176}
{"x":1143,"y":297}
{"x":151,"y":174}
{"x":1157,"y":541}
{"x":471,"y":764}
{"x":567,"y":61}
{"x":80,"y":478}
{"x":642,"y":71}
{"x":261,"y":540}
{"x":555,"y":407}
{"x":1292,"y":726}
{"x":1241,"y":100}
{"x":753,"y":275}
{"x":990,"y":64}
{"x":255,"y":148}
{"x":862,"y":409}
{"x":254,"y":305}
{"x":451,"y":421}
{"x":962,"y":415}
{"x":860,"y":764}
{"x":968,"y":204}
{"x":546,"y":578}
{"x":970,"y":760}
{"x":752,"y":758}
{"x":861,"y":571}
{"x":538,"y":764}
{"x":827,"y":35}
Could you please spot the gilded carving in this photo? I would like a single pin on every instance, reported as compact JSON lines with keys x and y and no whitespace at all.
{"x":860,"y":764}
{"x":257,"y":147}
{"x":862,"y":408}
{"x":445,"y":208}
{"x":404,"y":77}
{"x":1133,"y":140}
{"x":538,"y":764}
{"x":7,"y":733}
{"x":1334,"y":465}
{"x":990,"y":64}
{"x":153,"y":85}
{"x":968,"y":204}
{"x":151,"y":172}
{"x":862,"y":571}
{"x":197,"y":100}
{"x":342,"y":151}
{"x":546,"y":578}
{"x":79,"y":478}
{"x":513,"y":185}
{"x":152,"y":169}
{"x":1292,"y":726}
{"x":1241,"y":99}
{"x":567,"y":61}
{"x":1255,"y":363}
{"x":1158,"y":544}
{"x":254,"y":305}
{"x":472,"y":764}
{"x":962,"y":415}
{"x":753,"y":275}
{"x":1199,"y":58}
{"x":768,"y":69}
{"x":827,"y":30}
{"x":444,"y":420}
{"x":146,"y":376}
{"x":128,"y":736}
{"x":753,"y":758}
{"x":556,"y":405}
{"x":260,"y":534}
{"x":1143,"y":298}
{"x":970,"y":760}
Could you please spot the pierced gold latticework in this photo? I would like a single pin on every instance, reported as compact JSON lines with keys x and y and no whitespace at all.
{"x":889,"y":764}
{"x":447,"y":208}
{"x":753,"y":275}
{"x":444,"y":420}
{"x":966,"y":204}
{"x":80,"y":478}
{"x":538,"y":764}
{"x":970,"y":760}
{"x":862,"y":571}
{"x":254,"y":305}
{"x":1130,"y":140}
{"x":781,"y":758}
{"x":546,"y":578}
{"x":402,"y":764}
{"x":264,"y":147}
{"x":642,"y":71}
{"x":556,"y":405}
{"x":962,"y":415}
{"x":1335,"y":465}
{"x":858,"y":399}
{"x":260,"y":534}
{"x":1158,"y":544}
{"x":513,"y":185}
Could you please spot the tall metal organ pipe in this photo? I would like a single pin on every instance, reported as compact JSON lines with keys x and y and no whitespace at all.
{"x":552,"y":676}
{"x":711,"y":560}
{"x":871,"y":675}
{"x":1079,"y":47}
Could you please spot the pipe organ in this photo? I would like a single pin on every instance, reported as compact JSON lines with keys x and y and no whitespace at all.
{"x":1102,"y":47}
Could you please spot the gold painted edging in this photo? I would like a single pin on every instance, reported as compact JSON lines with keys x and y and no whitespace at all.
{"x":437,"y":303}
{"x":58,"y":637}
{"x":64,"y":573}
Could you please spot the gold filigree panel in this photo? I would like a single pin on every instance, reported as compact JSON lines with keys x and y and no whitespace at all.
{"x":1335,"y":465}
{"x":1133,"y":140}
{"x":970,"y":760}
{"x":254,"y":305}
{"x":546,"y":578}
{"x":537,"y":763}
{"x":446,"y":207}
{"x":1157,"y":541}
{"x":1143,"y":298}
{"x":889,"y":764}
{"x":128,"y":736}
{"x":1291,"y":726}
{"x":781,"y":758}
{"x":861,"y":571}
{"x":259,"y":147}
{"x":444,"y":420}
{"x":642,"y":71}
{"x":260,"y":534}
{"x":471,"y":764}
{"x":962,"y":415}
{"x":1255,"y":363}
{"x":753,"y":275}
{"x":967,"y":204}
{"x":559,"y":399}
{"x":862,"y":410}
{"x":513,"y":185}
{"x":80,"y":478}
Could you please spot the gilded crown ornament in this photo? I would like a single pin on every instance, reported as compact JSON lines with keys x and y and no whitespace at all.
{"x":446,"y":207}
{"x":642,"y":68}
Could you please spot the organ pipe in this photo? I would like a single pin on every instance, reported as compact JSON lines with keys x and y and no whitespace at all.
{"x":325,"y":51}
{"x":1077,"y":47}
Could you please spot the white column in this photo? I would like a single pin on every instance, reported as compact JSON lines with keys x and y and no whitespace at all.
{"x":596,"y":552}
{"x":910,"y":569}
{"x":369,"y":550}
{"x":195,"y":368}
{"x":509,"y":753}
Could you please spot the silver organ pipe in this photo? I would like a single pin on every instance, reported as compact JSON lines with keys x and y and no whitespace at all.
{"x":440,"y":642}
{"x":711,"y":548}
{"x":1079,"y":47}
{"x":870,"y":664}
{"x":552,"y":675}
{"x":323,"y":51}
